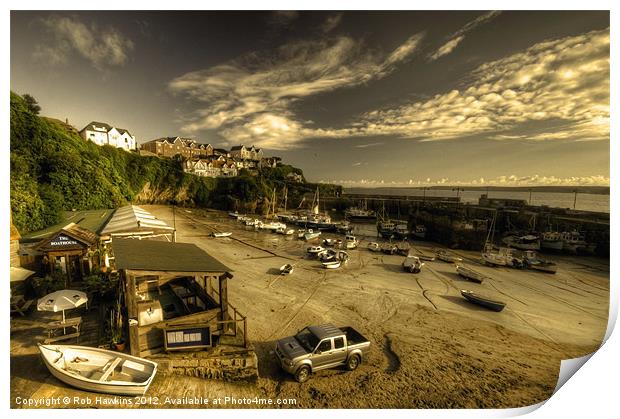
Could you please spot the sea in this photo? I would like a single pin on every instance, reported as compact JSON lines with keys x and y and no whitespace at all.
{"x":584,"y":202}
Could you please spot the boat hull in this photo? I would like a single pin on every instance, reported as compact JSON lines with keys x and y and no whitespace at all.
{"x":114,"y":387}
{"x":483,"y":301}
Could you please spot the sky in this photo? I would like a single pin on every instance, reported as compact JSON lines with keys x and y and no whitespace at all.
{"x":412,"y":98}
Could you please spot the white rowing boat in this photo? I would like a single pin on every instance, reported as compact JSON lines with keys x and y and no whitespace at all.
{"x":224,"y":234}
{"x":99,"y":370}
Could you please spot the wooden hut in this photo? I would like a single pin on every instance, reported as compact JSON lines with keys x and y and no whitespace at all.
{"x":71,"y":249}
{"x":175,"y":295}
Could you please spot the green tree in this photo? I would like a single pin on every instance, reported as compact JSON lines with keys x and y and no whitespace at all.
{"x":32,"y":104}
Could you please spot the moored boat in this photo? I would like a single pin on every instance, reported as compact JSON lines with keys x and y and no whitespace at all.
{"x":332,"y":264}
{"x":447,"y":256}
{"x":413,"y":264}
{"x":286,"y":269}
{"x":222,"y":234}
{"x":374,"y":247}
{"x":483,"y":301}
{"x":419,"y":231}
{"x":99,"y":370}
{"x":313,"y":250}
{"x":526,"y":242}
{"x":532,"y":261}
{"x":350,"y":242}
{"x":470,"y":274}
{"x":552,"y":240}
{"x":310,"y":235}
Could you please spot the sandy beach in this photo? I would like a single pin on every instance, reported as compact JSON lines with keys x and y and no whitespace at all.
{"x":429,"y":347}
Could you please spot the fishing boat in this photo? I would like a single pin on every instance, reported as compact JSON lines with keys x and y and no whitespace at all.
{"x":526,"y":242}
{"x":332,"y":264}
{"x":285,"y":231}
{"x":222,"y":234}
{"x":385,"y":227}
{"x":286,"y":269}
{"x":532,"y":261}
{"x":401,"y":231}
{"x":374,"y":247}
{"x":483,"y":301}
{"x":327,"y":254}
{"x":573,"y":241}
{"x":447,"y":256}
{"x":552,"y":240}
{"x":360,"y":213}
{"x":99,"y":370}
{"x":310,"y":235}
{"x":419,"y":232}
{"x":470,"y":274}
{"x":412,"y":264}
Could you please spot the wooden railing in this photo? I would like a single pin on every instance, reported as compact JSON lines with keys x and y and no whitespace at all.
{"x":235,"y":318}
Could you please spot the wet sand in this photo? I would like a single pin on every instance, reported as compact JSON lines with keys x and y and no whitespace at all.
{"x":429,"y":347}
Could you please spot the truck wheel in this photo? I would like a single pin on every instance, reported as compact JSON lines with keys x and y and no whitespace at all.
{"x":302,"y":374}
{"x":353,"y":362}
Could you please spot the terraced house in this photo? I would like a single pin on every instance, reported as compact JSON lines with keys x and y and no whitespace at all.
{"x":171,"y":146}
{"x":101,"y":133}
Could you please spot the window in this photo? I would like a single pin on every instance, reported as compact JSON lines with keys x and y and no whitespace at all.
{"x":325,"y":346}
{"x":338,"y":343}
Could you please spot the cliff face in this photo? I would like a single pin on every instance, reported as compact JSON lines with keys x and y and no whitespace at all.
{"x":150,"y":194}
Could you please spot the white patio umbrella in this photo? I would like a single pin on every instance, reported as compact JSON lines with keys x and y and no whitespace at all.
{"x":62,"y":300}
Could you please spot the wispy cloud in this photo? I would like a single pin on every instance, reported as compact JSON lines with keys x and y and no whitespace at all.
{"x":331,"y":22}
{"x":455,"y":39}
{"x":250,"y":98}
{"x":563,"y":80}
{"x":103,"y":47}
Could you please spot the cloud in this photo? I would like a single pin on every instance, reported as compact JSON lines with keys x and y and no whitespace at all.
{"x":503,"y":180}
{"x":564,"y":80}
{"x":368,"y":145}
{"x":102,"y":47}
{"x":250,"y":99}
{"x":283,"y":17}
{"x":456,"y":38}
{"x":331,"y":22}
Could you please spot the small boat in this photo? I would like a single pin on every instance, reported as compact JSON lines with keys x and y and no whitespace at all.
{"x":374,"y":247}
{"x":284,"y":231}
{"x":233,"y":214}
{"x":314,"y":250}
{"x":532,"y":261}
{"x":389,"y":249}
{"x":223,"y":234}
{"x":413,"y":264}
{"x":286,"y":269}
{"x":99,"y":370}
{"x":250,"y":222}
{"x":344,"y":227}
{"x":401,"y":231}
{"x":483,"y":301}
{"x":470,"y":274}
{"x":332,"y":264}
{"x":359,"y":214}
{"x":447,"y":256}
{"x":329,"y":242}
{"x":350,"y":242}
{"x":310,"y":235}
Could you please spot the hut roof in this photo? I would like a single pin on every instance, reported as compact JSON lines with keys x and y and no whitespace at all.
{"x":149,"y":255}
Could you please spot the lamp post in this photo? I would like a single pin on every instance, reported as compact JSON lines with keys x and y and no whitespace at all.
{"x":575,"y":200}
{"x":530,"y":200}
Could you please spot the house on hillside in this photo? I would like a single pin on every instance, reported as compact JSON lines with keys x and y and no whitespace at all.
{"x":101,"y":133}
{"x":270,"y":161}
{"x":246,"y":153}
{"x":171,"y":146}
{"x":295,"y":177}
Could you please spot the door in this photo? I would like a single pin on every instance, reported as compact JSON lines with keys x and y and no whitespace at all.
{"x":339,"y":353}
{"x":322,"y":354}
{"x":74,"y":268}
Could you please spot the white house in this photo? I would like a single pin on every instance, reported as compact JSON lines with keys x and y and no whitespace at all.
{"x":101,"y":134}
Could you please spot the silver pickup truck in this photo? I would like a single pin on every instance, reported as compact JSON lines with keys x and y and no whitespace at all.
{"x":316,"y":348}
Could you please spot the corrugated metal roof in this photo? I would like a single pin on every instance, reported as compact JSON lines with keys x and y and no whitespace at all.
{"x":132,"y":218}
{"x":150,"y":255}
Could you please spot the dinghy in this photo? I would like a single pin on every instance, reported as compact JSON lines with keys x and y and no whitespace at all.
{"x":286,"y":269}
{"x":224,"y":234}
{"x":310,"y":235}
{"x":483,"y":301}
{"x":332,"y":264}
{"x":470,"y":274}
{"x":374,"y":247}
{"x":99,"y":370}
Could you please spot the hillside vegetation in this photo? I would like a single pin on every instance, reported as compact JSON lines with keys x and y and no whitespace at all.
{"x":54,"y":169}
